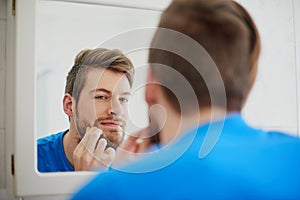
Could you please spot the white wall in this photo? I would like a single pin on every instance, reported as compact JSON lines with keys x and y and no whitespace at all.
{"x":2,"y":89}
{"x":275,"y":91}
{"x":296,"y":4}
{"x":57,"y":46}
{"x":2,"y":85}
{"x":279,"y":24}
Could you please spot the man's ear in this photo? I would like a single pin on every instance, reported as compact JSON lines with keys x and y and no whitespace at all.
{"x":68,"y":102}
{"x":151,"y":90}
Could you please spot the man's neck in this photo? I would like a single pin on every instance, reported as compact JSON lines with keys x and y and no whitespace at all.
{"x":177,"y":125}
{"x":70,"y":141}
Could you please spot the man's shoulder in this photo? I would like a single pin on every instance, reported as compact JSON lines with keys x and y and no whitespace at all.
{"x":51,"y":157}
{"x":50,"y":139}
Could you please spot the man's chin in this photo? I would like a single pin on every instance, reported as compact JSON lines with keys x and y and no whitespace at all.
{"x":113,"y":138}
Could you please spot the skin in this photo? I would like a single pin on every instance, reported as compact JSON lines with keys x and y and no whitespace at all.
{"x":101,"y":110}
{"x":171,"y":127}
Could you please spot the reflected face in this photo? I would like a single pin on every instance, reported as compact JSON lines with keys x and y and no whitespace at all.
{"x":103,"y":103}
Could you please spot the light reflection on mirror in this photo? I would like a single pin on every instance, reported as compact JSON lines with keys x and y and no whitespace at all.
{"x":62,"y":30}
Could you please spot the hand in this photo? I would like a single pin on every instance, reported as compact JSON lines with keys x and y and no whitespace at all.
{"x":88,"y":155}
{"x":132,"y":148}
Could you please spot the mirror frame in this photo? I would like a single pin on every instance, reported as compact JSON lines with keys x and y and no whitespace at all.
{"x":28,"y":181}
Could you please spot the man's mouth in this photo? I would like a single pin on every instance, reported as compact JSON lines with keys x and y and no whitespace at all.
{"x":111,"y":123}
{"x":112,"y":130}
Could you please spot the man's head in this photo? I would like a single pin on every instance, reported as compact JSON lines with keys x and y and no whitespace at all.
{"x":97,"y":90}
{"x":227,"y":33}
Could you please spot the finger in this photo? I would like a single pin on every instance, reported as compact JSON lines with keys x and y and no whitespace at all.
{"x":81,"y":147}
{"x":90,"y":139}
{"x":99,"y":151}
{"x":82,"y":158}
{"x":109,"y":156}
{"x":110,"y":152}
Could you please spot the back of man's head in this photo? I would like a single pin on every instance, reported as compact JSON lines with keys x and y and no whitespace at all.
{"x":230,"y":43}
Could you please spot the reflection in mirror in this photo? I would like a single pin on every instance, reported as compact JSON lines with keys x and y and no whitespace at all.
{"x":60,"y":36}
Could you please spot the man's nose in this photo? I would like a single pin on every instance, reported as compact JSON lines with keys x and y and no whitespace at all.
{"x":115,"y":108}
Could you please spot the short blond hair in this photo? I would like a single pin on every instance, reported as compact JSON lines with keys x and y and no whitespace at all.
{"x":113,"y":60}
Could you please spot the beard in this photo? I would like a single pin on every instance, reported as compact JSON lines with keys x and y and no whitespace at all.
{"x":113,"y":135}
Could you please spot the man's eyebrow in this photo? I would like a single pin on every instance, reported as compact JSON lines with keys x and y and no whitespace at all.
{"x":100,"y":90}
{"x":126,"y":93}
{"x":107,"y":91}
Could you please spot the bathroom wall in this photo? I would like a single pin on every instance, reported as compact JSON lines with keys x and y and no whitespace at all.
{"x":275,"y":92}
{"x":3,"y":21}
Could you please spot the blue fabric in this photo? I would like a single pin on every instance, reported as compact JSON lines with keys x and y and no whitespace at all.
{"x":245,"y":163}
{"x":51,"y":155}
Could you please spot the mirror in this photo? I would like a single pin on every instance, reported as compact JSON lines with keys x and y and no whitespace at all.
{"x":48,"y":37}
{"x":60,"y":36}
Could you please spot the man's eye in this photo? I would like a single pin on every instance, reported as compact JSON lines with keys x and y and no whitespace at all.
{"x":101,"y":97}
{"x":123,"y":100}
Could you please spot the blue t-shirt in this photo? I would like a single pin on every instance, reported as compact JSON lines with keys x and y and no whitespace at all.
{"x":245,"y":163}
{"x":51,"y":155}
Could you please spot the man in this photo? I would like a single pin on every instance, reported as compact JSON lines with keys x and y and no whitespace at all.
{"x":212,"y":155}
{"x":96,"y":95}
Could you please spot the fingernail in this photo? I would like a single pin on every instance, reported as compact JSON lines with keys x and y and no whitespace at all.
{"x":99,"y":131}
{"x":139,"y":141}
{"x":103,"y":140}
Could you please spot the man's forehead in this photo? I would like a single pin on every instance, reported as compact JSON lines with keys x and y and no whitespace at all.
{"x":107,"y":79}
{"x":104,"y":90}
